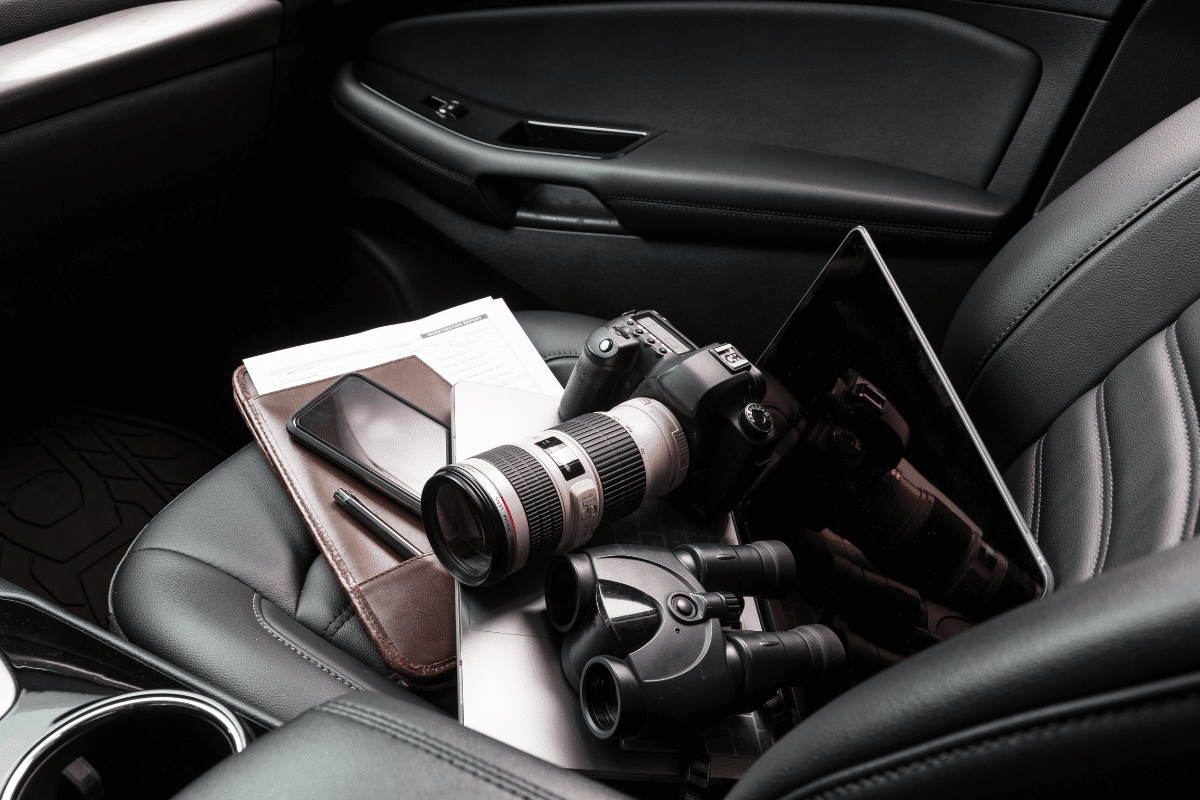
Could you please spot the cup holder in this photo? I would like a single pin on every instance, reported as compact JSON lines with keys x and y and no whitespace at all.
{"x":146,"y":745}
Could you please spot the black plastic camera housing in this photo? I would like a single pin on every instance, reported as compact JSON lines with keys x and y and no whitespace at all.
{"x":714,"y":392}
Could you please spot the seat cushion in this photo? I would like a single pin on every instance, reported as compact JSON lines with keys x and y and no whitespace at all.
{"x":1114,"y":479}
{"x":227,"y":583}
{"x":1076,"y":353}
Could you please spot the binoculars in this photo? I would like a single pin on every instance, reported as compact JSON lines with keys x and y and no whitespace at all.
{"x":644,"y":639}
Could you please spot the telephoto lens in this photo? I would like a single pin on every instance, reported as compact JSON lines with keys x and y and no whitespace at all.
{"x":492,"y":514}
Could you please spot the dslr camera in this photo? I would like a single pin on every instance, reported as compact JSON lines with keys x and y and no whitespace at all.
{"x":646,"y":414}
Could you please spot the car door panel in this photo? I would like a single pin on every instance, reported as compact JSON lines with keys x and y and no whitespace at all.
{"x":114,"y":116}
{"x":22,"y":18}
{"x":772,"y":128}
{"x":92,"y":60}
{"x":675,"y":184}
{"x":122,"y":157}
{"x":894,"y":85}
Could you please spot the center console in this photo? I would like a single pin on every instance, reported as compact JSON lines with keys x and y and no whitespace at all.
{"x":85,"y":714}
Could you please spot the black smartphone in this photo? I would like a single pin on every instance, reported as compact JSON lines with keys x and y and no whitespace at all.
{"x":379,"y":437}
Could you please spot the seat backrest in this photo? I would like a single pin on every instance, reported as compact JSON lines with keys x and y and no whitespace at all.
{"x":1075,"y":354}
{"x":1076,"y":351}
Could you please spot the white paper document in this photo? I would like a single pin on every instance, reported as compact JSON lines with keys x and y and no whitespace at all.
{"x":480,"y":341}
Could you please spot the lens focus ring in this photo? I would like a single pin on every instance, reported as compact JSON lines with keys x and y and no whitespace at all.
{"x":618,"y":462}
{"x":535,"y":489}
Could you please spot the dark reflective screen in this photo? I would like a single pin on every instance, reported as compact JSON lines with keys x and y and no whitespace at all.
{"x":905,"y":534}
{"x":365,"y":423}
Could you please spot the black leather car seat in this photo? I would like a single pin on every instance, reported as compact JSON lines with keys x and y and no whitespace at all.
{"x":227,"y":582}
{"x":1077,"y":354}
{"x":1074,"y":353}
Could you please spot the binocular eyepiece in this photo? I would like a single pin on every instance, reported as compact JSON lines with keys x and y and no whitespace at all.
{"x":644,"y":644}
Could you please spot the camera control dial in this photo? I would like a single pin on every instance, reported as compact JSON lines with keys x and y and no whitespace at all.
{"x":756,"y":421}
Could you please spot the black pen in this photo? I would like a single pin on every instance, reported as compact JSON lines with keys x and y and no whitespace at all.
{"x":355,"y":508}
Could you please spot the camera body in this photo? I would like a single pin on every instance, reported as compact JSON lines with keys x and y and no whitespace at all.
{"x":617,"y":357}
{"x":687,"y":425}
{"x":714,"y":392}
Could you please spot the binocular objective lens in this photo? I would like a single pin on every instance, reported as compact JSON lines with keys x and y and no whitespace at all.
{"x":601,"y":701}
{"x":562,"y":596}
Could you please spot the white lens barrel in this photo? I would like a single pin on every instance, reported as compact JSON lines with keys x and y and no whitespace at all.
{"x":548,"y":493}
{"x":660,"y":440}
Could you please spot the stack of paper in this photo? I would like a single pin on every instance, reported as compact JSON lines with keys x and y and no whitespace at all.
{"x":481,"y":342}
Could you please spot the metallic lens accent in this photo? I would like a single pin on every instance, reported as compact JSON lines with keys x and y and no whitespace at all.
{"x":490,"y":514}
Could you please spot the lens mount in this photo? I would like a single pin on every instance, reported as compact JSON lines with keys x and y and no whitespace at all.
{"x":466,"y":525}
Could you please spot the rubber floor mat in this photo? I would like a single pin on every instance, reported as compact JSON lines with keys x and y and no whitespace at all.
{"x":76,"y":488}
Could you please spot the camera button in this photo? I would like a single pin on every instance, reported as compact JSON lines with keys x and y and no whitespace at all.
{"x":756,"y":421}
{"x":605,"y":345}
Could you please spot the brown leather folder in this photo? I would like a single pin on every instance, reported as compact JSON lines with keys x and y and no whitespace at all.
{"x":407,"y":607}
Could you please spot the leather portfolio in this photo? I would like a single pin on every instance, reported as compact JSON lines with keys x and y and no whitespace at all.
{"x":406,"y":606}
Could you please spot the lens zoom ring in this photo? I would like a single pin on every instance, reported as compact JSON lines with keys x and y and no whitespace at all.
{"x":535,"y":489}
{"x":616,"y":456}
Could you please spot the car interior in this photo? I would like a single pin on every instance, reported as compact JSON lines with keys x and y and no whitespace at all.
{"x":185,"y":184}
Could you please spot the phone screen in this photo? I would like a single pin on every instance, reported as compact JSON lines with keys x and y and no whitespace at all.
{"x":364,"y":423}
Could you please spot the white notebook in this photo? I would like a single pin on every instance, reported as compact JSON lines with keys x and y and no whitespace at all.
{"x":480,"y":341}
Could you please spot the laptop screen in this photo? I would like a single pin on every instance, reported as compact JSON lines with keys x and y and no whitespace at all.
{"x":907,"y":533}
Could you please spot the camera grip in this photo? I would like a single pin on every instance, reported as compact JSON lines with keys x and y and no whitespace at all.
{"x":589,"y":384}
{"x":603,"y":359}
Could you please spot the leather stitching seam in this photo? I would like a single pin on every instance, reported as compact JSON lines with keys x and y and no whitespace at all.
{"x":205,"y":563}
{"x":956,"y":233}
{"x":370,"y":130}
{"x":1106,"y":480}
{"x":1033,"y":489}
{"x":388,"y":571}
{"x":1037,"y":502}
{"x":340,"y":621}
{"x":1062,"y":274}
{"x":1048,"y":730}
{"x":1175,"y":354}
{"x":254,"y":604}
{"x":379,"y":635}
{"x":452,"y":755}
